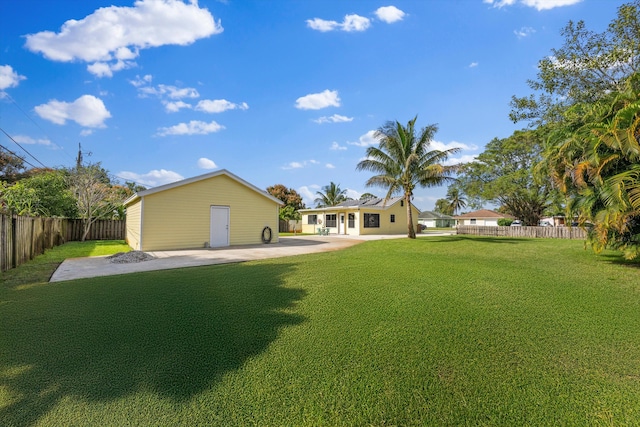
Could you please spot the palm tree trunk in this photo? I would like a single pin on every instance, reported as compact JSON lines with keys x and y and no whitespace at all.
{"x":412,"y":231}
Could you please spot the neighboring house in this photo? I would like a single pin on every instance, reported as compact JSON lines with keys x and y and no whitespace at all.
{"x":360,"y":217}
{"x":435,"y":219}
{"x":210,"y":210}
{"x":484,"y":217}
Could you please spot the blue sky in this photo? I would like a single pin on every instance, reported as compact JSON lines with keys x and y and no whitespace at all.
{"x":277,"y":92}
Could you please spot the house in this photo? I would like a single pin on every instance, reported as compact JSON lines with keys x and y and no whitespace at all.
{"x":435,"y":219}
{"x":360,"y":217}
{"x":210,"y":210}
{"x":484,"y":217}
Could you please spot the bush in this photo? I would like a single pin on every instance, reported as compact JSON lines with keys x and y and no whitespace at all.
{"x":504,"y":222}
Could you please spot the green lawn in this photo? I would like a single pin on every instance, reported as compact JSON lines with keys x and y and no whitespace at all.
{"x":436,"y":331}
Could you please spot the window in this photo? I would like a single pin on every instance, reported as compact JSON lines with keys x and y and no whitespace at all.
{"x":393,"y":218}
{"x":330,"y":220}
{"x":352,"y":220}
{"x":312,"y":219}
{"x":371,"y":220}
{"x":401,"y":202}
{"x":472,"y":221}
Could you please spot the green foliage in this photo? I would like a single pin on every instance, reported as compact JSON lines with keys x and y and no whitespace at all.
{"x":289,"y":213}
{"x":45,"y":193}
{"x":443,"y":206}
{"x":331,"y":195}
{"x":504,"y":222}
{"x":403,"y":160}
{"x":455,"y":331}
{"x":368,"y":196}
{"x":587,"y":67}
{"x":288,"y":196}
{"x":593,"y":157}
{"x":456,"y":199}
{"x":503,"y":174}
{"x":11,"y":166}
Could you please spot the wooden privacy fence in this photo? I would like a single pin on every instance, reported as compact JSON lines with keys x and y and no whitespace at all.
{"x":23,"y":238}
{"x":536,"y":232}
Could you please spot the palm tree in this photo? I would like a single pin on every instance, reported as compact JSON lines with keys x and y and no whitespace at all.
{"x":595,"y":161}
{"x":331,"y":195}
{"x":402,"y":161}
{"x":456,"y":199}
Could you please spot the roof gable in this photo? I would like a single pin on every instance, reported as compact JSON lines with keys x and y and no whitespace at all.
{"x":198,"y":178}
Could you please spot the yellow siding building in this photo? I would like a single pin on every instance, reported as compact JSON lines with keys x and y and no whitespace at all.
{"x":212,"y":210}
{"x":357,"y":217}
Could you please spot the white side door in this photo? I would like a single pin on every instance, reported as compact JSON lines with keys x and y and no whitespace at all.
{"x":219,"y":230}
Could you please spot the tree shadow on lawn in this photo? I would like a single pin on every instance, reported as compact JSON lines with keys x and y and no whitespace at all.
{"x":173,"y":333}
{"x":470,"y":238}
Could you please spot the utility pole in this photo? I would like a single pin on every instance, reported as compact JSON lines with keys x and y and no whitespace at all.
{"x":79,"y":159}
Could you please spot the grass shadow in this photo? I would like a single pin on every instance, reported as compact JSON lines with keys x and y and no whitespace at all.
{"x":485,"y":239}
{"x":172,"y":333}
{"x":40,"y":269}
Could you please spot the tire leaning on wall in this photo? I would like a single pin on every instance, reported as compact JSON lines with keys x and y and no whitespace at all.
{"x":267,"y":234}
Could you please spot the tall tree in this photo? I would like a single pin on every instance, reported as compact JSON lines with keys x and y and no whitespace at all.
{"x":331,"y":195}
{"x":588,"y":66}
{"x":403,"y":160}
{"x":504,"y":175}
{"x":95,"y":198}
{"x":443,"y":206}
{"x":368,"y":196}
{"x":456,"y":199}
{"x":288,"y":196}
{"x":11,"y":166}
{"x":594,"y":158}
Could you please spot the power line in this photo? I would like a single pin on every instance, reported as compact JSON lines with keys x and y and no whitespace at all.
{"x":34,"y":122}
{"x":23,"y":149}
{"x":14,"y":154}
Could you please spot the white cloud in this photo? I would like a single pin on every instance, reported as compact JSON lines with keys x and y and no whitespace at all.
{"x":336,"y":118}
{"x":293,"y":165}
{"x":336,"y":147}
{"x":168,"y":91}
{"x":299,"y":165}
{"x":87,"y":111}
{"x":308,"y":193}
{"x":204,"y":163}
{"x":466,"y":158}
{"x":194,"y":127}
{"x":322,"y":25}
{"x":355,"y":23}
{"x":23,"y":139}
{"x":524,"y":32}
{"x":473,"y":65}
{"x":353,"y":194}
{"x":366,"y":140}
{"x":316,"y":101}
{"x":153,"y":178}
{"x":9,"y":77}
{"x":112,"y":36}
{"x":441,"y":146}
{"x":350,"y":23}
{"x":329,"y":166}
{"x":174,"y":107}
{"x":142,"y":81}
{"x":537,"y":4}
{"x":389,"y":14}
{"x":219,"y":105}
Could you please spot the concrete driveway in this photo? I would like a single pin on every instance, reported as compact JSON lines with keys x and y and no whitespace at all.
{"x":79,"y":268}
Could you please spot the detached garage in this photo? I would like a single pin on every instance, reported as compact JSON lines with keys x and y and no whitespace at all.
{"x":212,"y":210}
